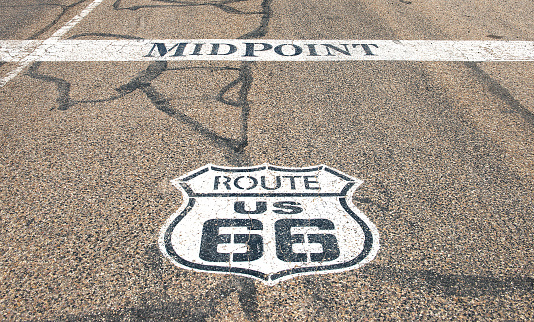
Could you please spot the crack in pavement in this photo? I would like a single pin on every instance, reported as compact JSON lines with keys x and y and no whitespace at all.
{"x":143,"y":82}
{"x":451,"y":285}
{"x":224,"y":5}
{"x":64,"y":10}
{"x":199,"y":310}
{"x":236,"y":147}
{"x":498,"y":90}
{"x":235,"y":154}
{"x":192,"y":309}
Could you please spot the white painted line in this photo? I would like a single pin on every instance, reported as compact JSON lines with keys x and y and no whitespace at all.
{"x":16,"y":50}
{"x":267,"y":50}
{"x":25,"y":52}
{"x":40,"y":51}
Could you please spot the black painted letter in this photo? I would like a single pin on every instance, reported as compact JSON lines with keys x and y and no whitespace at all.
{"x":287,"y":207}
{"x":162,"y":49}
{"x":345,"y":51}
{"x":308,"y":182}
{"x":215,"y":49}
{"x":264,"y":185}
{"x":279,"y":51}
{"x":261,"y":207}
{"x":226,"y":182}
{"x":366,"y":48}
{"x":249,"y":48}
{"x":253,"y":180}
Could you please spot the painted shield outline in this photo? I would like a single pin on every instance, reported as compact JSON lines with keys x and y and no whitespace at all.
{"x":371,"y":236}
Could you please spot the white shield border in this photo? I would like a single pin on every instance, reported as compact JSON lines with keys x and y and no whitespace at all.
{"x":368,"y":253}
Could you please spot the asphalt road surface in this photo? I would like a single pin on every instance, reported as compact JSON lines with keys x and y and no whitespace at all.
{"x":445,"y":151}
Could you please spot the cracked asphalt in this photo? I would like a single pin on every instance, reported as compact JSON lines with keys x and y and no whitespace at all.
{"x":445,"y":150}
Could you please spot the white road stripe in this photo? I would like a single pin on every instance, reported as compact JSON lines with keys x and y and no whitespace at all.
{"x":40,"y":50}
{"x":263,"y":50}
{"x":16,"y":50}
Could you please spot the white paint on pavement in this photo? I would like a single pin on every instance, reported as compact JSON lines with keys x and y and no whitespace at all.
{"x":16,"y":50}
{"x":265,"y":50}
{"x":40,"y":51}
{"x":269,"y":223}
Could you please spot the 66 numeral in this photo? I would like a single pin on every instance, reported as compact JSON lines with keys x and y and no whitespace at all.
{"x":211,"y":238}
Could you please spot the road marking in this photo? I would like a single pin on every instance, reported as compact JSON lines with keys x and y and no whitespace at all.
{"x":41,"y":49}
{"x":54,"y":49}
{"x":16,"y":50}
{"x":268,"y":223}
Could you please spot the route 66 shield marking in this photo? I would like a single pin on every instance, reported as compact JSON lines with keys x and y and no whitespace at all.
{"x":269,"y":223}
